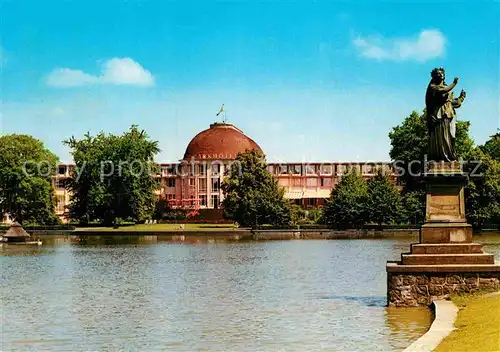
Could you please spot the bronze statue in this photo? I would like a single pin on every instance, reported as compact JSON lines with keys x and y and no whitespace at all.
{"x":441,"y":117}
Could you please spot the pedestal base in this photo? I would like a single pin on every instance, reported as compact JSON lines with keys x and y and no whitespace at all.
{"x":445,"y":261}
{"x":446,"y":232}
{"x":419,"y":285}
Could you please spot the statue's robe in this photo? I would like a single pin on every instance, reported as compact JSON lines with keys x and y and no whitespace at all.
{"x":441,"y":122}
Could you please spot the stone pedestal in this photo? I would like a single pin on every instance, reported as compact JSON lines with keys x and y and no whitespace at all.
{"x":445,"y":261}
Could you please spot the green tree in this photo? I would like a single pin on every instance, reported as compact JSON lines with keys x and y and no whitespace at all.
{"x":26,"y":170}
{"x":414,"y":206}
{"x":483,"y":190}
{"x":162,"y":208}
{"x":114,"y":177}
{"x":299,"y":214}
{"x":315,"y":215}
{"x":252,"y":195}
{"x":384,"y":204}
{"x":346,"y":207}
{"x":492,"y":146}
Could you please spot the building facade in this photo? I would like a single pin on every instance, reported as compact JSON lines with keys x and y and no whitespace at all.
{"x":195,"y":181}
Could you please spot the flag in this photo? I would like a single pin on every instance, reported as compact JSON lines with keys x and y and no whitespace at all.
{"x":220,"y":110}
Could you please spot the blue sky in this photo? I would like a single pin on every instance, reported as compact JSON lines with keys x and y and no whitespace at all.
{"x":308,"y":81}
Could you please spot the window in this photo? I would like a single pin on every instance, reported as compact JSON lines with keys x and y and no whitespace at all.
{"x":170,"y":196}
{"x":168,"y":170}
{"x":296,"y":169}
{"x":215,"y":201}
{"x":192,"y":170}
{"x":202,"y":184}
{"x":215,"y":168}
{"x":215,"y":184}
{"x":283,"y":169}
{"x":367,"y":169}
{"x":60,"y":183}
{"x":191,"y":181}
{"x":356,"y":168}
{"x":171,"y":182}
{"x":202,"y":169}
{"x":311,"y":202}
{"x":61,"y":202}
{"x":310,"y":169}
{"x":326,"y":169}
{"x":297,"y":182}
{"x":192,"y":200}
{"x":312,"y":182}
{"x":203,"y":200}
{"x":341,"y":169}
{"x":326,"y":182}
{"x":61,"y":170}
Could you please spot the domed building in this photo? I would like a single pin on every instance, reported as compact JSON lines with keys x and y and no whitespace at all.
{"x":222,"y":141}
{"x":196,"y":181}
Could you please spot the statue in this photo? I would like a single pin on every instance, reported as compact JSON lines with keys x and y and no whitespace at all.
{"x":441,"y":117}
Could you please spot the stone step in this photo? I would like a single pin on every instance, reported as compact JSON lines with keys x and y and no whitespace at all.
{"x":446,"y":232}
{"x":446,"y":248}
{"x":483,"y":269}
{"x":437,"y":259}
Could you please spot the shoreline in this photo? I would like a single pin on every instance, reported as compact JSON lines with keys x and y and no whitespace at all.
{"x":236,"y":234}
{"x":232,"y":233}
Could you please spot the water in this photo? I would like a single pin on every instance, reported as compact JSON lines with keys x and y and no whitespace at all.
{"x":145,"y":294}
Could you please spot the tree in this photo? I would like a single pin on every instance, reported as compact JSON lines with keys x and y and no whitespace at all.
{"x":346,"y":207}
{"x":26,"y":170}
{"x":414,"y":206}
{"x":483,"y":190}
{"x":252,"y":195}
{"x":492,"y":146}
{"x":384,"y":203}
{"x":162,"y":208}
{"x":114,"y":177}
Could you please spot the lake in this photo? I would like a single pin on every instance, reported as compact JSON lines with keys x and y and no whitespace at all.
{"x":142,"y":293}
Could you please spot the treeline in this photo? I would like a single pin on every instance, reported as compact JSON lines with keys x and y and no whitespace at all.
{"x":113,"y":180}
{"x":253,"y":197}
{"x":114,"y":183}
{"x":355,"y":202}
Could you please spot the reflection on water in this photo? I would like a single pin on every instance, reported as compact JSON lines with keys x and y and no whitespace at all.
{"x":407,"y":322}
{"x":148,"y":293}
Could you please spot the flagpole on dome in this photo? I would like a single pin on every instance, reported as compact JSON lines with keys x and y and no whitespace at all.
{"x":223,"y":111}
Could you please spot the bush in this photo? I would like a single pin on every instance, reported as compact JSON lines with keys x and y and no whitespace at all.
{"x":174,"y":215}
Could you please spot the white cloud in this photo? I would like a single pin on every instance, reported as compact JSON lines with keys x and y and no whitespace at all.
{"x":428,"y":44}
{"x":118,"y":71}
{"x":65,"y":77}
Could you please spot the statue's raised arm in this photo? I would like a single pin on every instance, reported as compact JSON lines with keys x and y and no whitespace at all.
{"x":441,"y":117}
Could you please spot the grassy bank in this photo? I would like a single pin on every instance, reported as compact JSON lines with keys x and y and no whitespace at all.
{"x":477,"y":325}
{"x":164,"y":227}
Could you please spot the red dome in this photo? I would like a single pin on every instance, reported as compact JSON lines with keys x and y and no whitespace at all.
{"x":220,"y":141}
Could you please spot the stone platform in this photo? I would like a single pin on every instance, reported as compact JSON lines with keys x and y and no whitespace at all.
{"x":445,"y":261}
{"x":414,"y":285}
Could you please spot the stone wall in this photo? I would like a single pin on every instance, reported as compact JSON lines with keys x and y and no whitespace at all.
{"x":420,"y":289}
